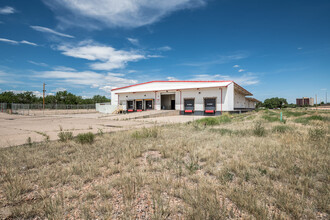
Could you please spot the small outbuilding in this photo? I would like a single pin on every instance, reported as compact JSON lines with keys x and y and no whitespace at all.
{"x":189,"y":97}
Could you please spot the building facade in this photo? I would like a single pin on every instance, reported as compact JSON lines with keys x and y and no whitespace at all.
{"x":304,"y":101}
{"x":189,"y":97}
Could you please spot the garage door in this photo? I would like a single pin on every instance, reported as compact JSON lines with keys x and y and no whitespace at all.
{"x":210,"y":105}
{"x":130,"y":106}
{"x":189,"y":105}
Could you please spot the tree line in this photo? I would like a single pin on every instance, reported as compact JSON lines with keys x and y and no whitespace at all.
{"x":61,"y":97}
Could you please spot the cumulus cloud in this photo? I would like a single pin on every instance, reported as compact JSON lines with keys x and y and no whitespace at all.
{"x":7,"y":10}
{"x":245,"y":79}
{"x":236,"y":66}
{"x":17,"y":42}
{"x":50,"y":31}
{"x":108,"y":57}
{"x":87,"y":78}
{"x":114,"y":13}
{"x":241,"y":70}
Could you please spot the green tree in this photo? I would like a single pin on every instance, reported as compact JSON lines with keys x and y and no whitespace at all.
{"x":275,"y":103}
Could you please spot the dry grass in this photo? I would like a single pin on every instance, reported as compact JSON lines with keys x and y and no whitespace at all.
{"x":247,"y":167}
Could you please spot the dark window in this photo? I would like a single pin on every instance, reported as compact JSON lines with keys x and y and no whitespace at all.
{"x":130,"y":105}
{"x":209,"y":104}
{"x":138,"y":104}
{"x":149,"y":104}
{"x":189,"y":104}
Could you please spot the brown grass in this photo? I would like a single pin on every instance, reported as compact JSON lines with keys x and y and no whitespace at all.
{"x":246,"y":168}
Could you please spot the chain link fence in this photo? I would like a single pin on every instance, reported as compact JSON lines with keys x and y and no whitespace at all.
{"x":3,"y":107}
{"x":37,"y":109}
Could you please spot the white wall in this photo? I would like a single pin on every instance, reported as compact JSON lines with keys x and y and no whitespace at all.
{"x":227,"y":97}
{"x":105,"y":108}
{"x":240,"y":101}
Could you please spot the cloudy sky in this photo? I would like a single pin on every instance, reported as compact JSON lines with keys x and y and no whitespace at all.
{"x":272,"y":48}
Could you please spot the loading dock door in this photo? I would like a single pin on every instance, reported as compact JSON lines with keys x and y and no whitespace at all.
{"x":210,"y":105}
{"x":130,"y":106}
{"x":139,"y":105}
{"x":189,"y":105}
{"x":149,"y":105}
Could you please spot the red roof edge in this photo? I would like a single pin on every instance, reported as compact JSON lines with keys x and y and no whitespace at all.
{"x":166,"y":81}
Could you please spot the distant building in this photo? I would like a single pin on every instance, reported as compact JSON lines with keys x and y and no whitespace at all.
{"x":304,"y":101}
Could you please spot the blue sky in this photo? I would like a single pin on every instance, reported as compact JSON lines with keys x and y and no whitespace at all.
{"x":270,"y":47}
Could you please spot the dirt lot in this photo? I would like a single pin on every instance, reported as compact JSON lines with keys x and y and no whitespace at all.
{"x":247,"y":166}
{"x":16,"y":129}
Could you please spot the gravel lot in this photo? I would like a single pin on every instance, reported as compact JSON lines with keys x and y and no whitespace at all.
{"x":16,"y":129}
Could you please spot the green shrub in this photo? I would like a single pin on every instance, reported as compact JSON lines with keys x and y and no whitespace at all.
{"x":65,"y":136}
{"x":281,"y":128}
{"x":305,"y":120}
{"x":85,"y":138}
{"x":146,"y":133}
{"x":214,"y":120}
{"x":294,"y":114}
{"x":259,"y":129}
{"x":316,"y":134}
{"x":271,"y":118}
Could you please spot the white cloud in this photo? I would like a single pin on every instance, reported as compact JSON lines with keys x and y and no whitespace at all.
{"x":87,"y":78}
{"x":7,"y":10}
{"x":50,"y":31}
{"x":61,"y":89}
{"x":17,"y":42}
{"x":241,"y":70}
{"x":38,"y":63}
{"x":155,"y":56}
{"x":236,"y":66}
{"x":110,"y":57}
{"x":64,"y":68}
{"x":218,"y":60}
{"x":133,"y":41}
{"x":8,"y":41}
{"x":171,"y":78}
{"x":299,"y":48}
{"x":115,"y":13}
{"x":165,"y":48}
{"x":28,"y":42}
{"x":245,"y":79}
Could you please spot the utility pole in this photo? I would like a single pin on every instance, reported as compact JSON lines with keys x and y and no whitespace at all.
{"x":326,"y":97}
{"x":43,"y":100}
{"x":316,"y":99}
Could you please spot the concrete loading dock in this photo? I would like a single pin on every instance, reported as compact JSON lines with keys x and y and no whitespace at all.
{"x":189,"y":97}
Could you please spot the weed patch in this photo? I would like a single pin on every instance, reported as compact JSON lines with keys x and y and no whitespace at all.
{"x":65,"y":136}
{"x":281,"y":128}
{"x":259,"y":130}
{"x":85,"y":138}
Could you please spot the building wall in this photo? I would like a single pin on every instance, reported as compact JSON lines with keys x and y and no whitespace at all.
{"x":198,"y":94}
{"x":240,"y":101}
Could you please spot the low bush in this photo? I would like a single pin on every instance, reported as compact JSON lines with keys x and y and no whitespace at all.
{"x":294,"y":114}
{"x":281,"y":129}
{"x":305,"y":120}
{"x":85,"y":138}
{"x":214,"y":120}
{"x":65,"y":136}
{"x":259,"y":130}
{"x":271,"y":118}
{"x":146,"y":133}
{"x":316,"y":134}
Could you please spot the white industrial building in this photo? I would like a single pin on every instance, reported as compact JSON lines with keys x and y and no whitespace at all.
{"x":189,"y":97}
